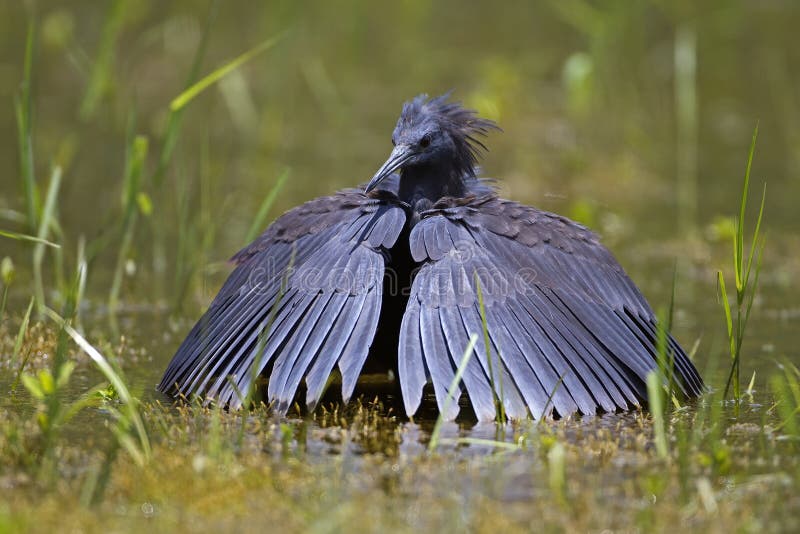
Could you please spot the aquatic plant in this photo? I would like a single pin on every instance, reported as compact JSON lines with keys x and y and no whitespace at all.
{"x":745,"y":287}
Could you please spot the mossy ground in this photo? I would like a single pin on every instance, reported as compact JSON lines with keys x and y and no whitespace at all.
{"x":360,"y":468}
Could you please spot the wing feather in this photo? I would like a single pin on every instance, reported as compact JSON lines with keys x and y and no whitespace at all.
{"x":503,"y":387}
{"x":439,"y":362}
{"x":356,"y":349}
{"x":475,"y":380}
{"x":294,"y":360}
{"x":562,"y":314}
{"x":319,"y":270}
{"x":411,"y":369}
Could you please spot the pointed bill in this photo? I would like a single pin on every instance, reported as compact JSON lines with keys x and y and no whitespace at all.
{"x":399,"y":156}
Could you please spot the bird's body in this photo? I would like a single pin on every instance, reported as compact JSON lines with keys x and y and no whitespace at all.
{"x":400,"y":265}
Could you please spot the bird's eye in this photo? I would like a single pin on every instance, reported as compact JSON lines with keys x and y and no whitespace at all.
{"x":425,"y":141}
{"x":394,"y":143}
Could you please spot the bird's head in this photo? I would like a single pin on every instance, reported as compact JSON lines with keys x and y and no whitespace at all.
{"x":432,"y":132}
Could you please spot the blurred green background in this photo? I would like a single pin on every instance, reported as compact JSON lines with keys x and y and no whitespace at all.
{"x":634,"y":117}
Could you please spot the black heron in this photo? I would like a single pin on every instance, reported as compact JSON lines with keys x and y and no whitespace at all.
{"x":389,"y":276}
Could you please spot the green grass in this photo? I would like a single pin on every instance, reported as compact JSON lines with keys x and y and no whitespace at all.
{"x":183,"y":99}
{"x":131,"y":207}
{"x":786,"y":388}
{"x":496,"y":384}
{"x":736,"y":321}
{"x":175,"y":118}
{"x":7,"y":274}
{"x":23,"y":328}
{"x":48,"y":218}
{"x":101,"y":76}
{"x":452,"y":392}
{"x":347,"y":468}
{"x":55,"y":409}
{"x":661,"y":386}
{"x":23,"y":108}
{"x":138,"y":444}
{"x":557,"y":472}
{"x":657,"y":408}
{"x":22,"y":237}
{"x":260,"y":220}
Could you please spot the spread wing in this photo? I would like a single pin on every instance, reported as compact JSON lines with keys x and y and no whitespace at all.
{"x":563,"y":317}
{"x":304,"y":297}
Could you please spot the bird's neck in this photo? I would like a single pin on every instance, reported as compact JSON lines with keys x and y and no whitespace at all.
{"x":422,"y":185}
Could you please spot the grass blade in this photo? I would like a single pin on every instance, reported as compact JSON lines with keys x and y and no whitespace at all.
{"x":44,"y":227}
{"x":100,"y":77}
{"x":745,"y":288}
{"x":756,"y":233}
{"x":726,"y":306}
{"x":749,"y":305}
{"x":175,"y":117}
{"x":137,"y":154}
{"x":204,"y":83}
{"x":7,"y":274}
{"x":266,"y":205}
{"x":18,"y":343}
{"x":497,"y":387}
{"x":111,"y":375}
{"x":25,"y":237}
{"x":557,"y":472}
{"x":80,"y":281}
{"x":665,"y":357}
{"x":22,"y":329}
{"x":451,"y":392}
{"x":549,"y":401}
{"x":655,"y":396}
{"x":24,"y":111}
{"x":742,"y":207}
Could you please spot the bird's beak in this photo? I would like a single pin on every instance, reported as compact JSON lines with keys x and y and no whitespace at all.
{"x":399,"y":156}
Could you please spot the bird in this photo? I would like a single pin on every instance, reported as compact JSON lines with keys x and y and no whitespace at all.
{"x":402,"y":273}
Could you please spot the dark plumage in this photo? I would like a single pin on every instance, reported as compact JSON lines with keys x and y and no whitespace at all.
{"x":386,"y":276}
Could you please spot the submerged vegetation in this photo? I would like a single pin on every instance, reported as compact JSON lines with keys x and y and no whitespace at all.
{"x":93,"y":289}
